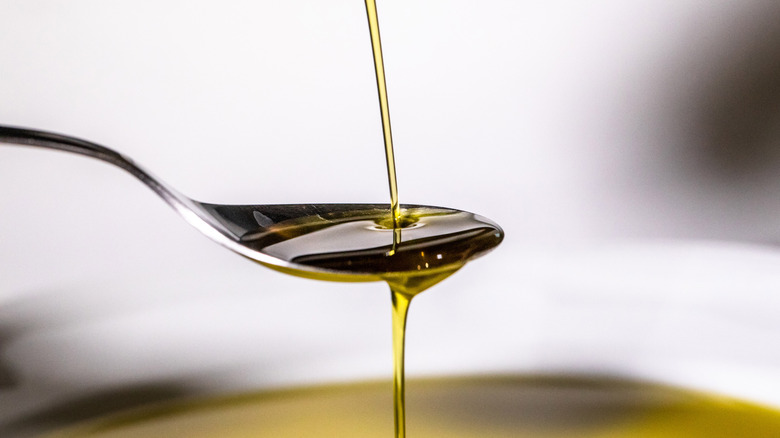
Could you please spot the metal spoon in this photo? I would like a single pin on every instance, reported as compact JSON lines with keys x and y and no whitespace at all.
{"x":244,"y":229}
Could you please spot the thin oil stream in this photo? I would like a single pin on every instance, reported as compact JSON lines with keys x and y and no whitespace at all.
{"x":400,"y":300}
{"x":384,"y":108}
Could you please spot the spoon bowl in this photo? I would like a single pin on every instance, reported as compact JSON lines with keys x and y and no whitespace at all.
{"x":338,"y":242}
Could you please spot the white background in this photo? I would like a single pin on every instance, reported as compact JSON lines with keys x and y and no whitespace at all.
{"x":627,"y":148}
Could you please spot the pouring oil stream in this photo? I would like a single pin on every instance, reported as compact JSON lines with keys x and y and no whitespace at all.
{"x":400,"y":300}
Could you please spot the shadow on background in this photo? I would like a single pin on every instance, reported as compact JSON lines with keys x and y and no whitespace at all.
{"x":34,"y":402}
{"x":93,"y":405}
{"x":733,"y":111}
{"x":8,"y":375}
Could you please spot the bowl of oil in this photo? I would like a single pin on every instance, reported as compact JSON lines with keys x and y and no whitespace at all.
{"x":671,"y":338}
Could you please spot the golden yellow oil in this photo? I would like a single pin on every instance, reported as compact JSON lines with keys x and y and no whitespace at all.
{"x":361,"y":244}
{"x":486,"y":407}
{"x":425,"y":246}
{"x":384,"y":106}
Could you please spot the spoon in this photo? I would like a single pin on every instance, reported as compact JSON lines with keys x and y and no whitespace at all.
{"x":339,"y":242}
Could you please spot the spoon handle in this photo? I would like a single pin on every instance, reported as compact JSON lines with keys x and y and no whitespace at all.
{"x":50,"y":140}
{"x":201,"y":216}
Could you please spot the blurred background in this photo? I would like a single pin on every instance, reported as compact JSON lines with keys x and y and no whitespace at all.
{"x":630,"y":150}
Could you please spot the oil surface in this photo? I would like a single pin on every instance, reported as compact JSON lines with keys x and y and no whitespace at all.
{"x":457,"y":408}
{"x":363,"y":245}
